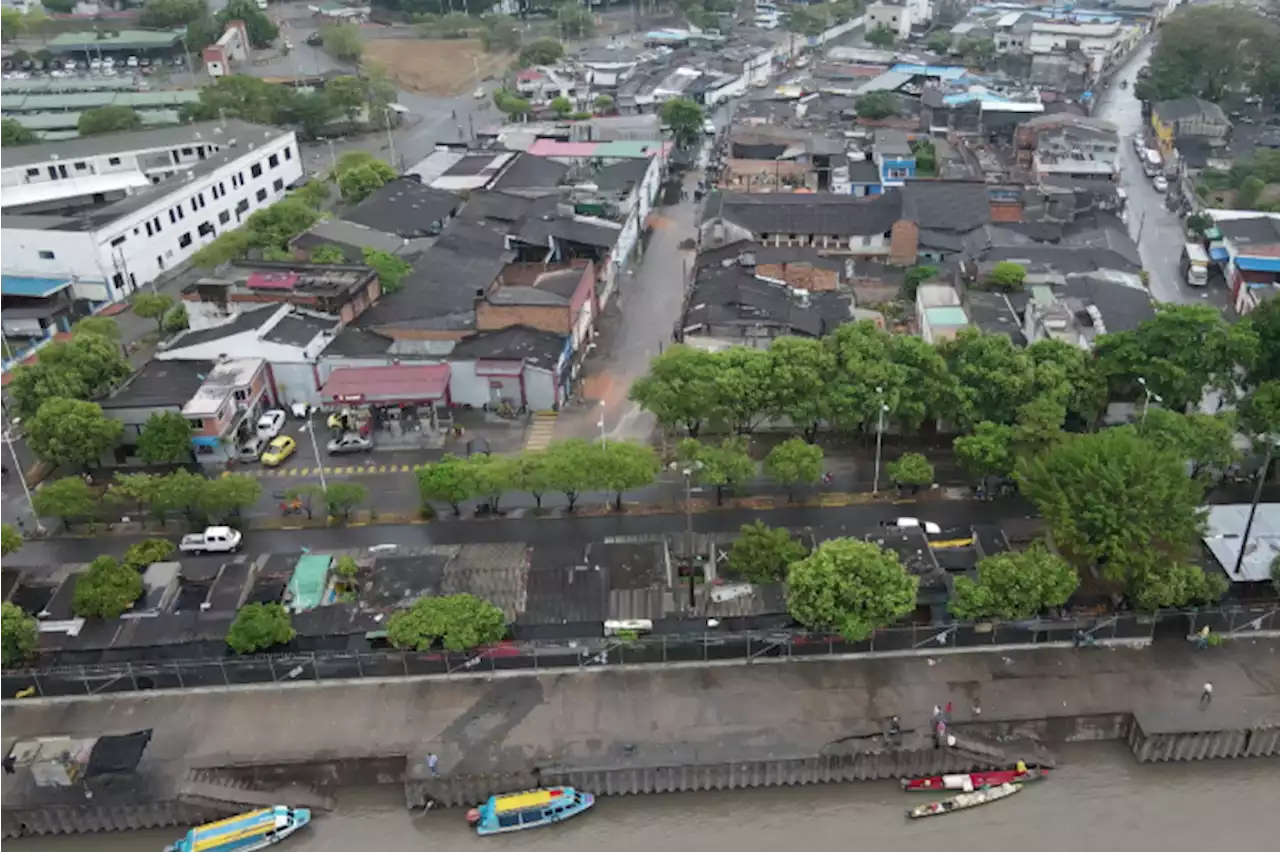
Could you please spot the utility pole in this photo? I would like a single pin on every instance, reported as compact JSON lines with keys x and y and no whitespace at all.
{"x":1253,"y":508}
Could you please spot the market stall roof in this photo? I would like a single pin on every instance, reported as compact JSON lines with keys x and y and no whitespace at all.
{"x":397,"y":383}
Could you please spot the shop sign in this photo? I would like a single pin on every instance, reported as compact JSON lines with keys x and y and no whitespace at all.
{"x":348,"y":397}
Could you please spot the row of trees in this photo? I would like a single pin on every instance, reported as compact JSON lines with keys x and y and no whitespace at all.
{"x":1219,"y":54}
{"x":350,"y":98}
{"x":849,"y":378}
{"x":197,"y":497}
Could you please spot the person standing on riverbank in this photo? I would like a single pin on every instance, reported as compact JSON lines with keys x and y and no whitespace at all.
{"x":433,"y":764}
{"x":1206,"y":695}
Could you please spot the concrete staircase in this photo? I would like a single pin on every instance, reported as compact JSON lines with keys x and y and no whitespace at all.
{"x":209,"y":787}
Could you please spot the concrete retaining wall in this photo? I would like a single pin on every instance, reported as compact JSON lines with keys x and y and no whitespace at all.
{"x":1205,"y":745}
{"x":89,"y":818}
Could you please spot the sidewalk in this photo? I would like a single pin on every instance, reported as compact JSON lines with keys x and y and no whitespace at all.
{"x":674,"y":714}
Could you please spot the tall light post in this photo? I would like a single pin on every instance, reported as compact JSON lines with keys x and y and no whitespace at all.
{"x":311,"y":433}
{"x":1253,"y":508}
{"x":22,"y":475}
{"x":603,"y":440}
{"x":688,"y":472}
{"x":1150,"y":396}
{"x":881,"y":409}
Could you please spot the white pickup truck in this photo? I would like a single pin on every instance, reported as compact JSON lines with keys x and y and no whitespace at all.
{"x":212,"y":540}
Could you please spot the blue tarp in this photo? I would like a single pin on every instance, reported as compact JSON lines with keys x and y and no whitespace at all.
{"x":1259,"y":264}
{"x":25,"y":285}
{"x":1219,"y":253}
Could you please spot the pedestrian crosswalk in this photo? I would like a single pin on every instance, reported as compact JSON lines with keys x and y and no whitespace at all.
{"x":336,"y":470}
{"x":541,"y":430}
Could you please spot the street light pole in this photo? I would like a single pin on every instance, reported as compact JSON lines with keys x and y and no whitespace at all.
{"x":603,"y":439}
{"x":688,"y":532}
{"x":22,"y":476}
{"x":1150,"y":396}
{"x":1253,"y":509}
{"x":311,"y":432}
{"x":881,"y":408}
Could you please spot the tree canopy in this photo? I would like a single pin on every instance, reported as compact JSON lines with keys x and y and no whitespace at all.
{"x":877,"y":105}
{"x":763,"y":554}
{"x":165,"y":439}
{"x":684,"y":117}
{"x":72,"y":432}
{"x":19,"y":636}
{"x":1211,"y":52}
{"x":259,"y":626}
{"x":108,"y":119}
{"x":724,"y":466}
{"x":13,"y":132}
{"x":881,"y":36}
{"x":458,"y":622}
{"x":852,"y":587}
{"x":106,"y":589}
{"x":1012,"y":586}
{"x":342,"y":41}
{"x":10,"y":539}
{"x":794,"y":462}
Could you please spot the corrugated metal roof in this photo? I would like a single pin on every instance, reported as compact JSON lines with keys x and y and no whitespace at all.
{"x":1224,"y":538}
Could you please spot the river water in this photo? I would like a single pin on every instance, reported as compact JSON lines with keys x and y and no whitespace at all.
{"x":1099,"y":798}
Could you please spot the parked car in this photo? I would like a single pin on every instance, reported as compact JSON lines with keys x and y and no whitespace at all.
{"x":315,"y":39}
{"x":278,"y":450}
{"x":480,"y":94}
{"x":350,"y":443}
{"x":212,"y":540}
{"x":930,"y":527}
{"x":251,"y":450}
{"x":270,"y":424}
{"x":1160,"y":183}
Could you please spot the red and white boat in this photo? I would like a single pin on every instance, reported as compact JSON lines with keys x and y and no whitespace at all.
{"x":969,"y":781}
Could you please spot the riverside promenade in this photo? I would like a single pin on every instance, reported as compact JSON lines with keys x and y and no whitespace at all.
{"x":674,"y":715}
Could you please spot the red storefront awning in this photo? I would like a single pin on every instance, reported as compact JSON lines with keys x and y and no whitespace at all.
{"x":394,"y":384}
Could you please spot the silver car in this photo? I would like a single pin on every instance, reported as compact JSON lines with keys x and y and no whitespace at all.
{"x":350,"y":443}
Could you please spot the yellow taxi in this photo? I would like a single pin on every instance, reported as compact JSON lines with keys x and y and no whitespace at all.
{"x":278,"y":450}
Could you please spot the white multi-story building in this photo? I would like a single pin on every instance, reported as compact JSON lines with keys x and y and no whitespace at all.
{"x":892,"y":15}
{"x":157,"y":197}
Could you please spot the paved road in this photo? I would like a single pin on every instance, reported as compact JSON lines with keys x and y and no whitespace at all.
{"x":1160,"y":233}
{"x":851,"y":520}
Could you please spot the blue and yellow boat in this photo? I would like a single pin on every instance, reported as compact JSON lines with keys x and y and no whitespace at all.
{"x":517,"y":811}
{"x":244,"y":833}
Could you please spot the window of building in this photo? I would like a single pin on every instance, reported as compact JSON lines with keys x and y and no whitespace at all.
{"x":255,"y":170}
{"x":288,"y":153}
{"x":222,"y":187}
{"x":200,"y":198}
{"x":205,"y":229}
{"x":156,"y":222}
{"x":224,"y":217}
{"x":81,"y":167}
{"x":45,"y":254}
{"x":235,"y":181}
{"x":184,"y":240}
{"x":194,"y":205}
{"x":118,"y":241}
{"x":113,"y":161}
{"x":277,"y":184}
{"x":173,"y":217}
{"x":186,"y":152}
{"x":149,"y":230}
{"x":196,"y":423}
{"x":242,"y":206}
{"x":262,"y":195}
{"x":273,"y":160}
{"x":866,"y":242}
{"x":241,"y":394}
{"x":33,"y":172}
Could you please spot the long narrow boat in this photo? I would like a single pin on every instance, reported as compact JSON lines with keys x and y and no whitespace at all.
{"x":964,"y":801}
{"x":530,"y":809}
{"x":244,"y":833}
{"x":970,"y":781}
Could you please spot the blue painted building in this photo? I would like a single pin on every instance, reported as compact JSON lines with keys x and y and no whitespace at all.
{"x":894,"y":157}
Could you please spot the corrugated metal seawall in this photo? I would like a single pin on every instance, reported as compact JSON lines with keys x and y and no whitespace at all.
{"x":89,"y":818}
{"x":1203,"y":745}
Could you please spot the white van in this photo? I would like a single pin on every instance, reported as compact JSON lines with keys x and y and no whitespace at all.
{"x":1195,"y":265}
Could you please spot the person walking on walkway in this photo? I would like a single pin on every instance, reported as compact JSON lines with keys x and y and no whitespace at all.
{"x":1206,"y":695}
{"x":433,"y":764}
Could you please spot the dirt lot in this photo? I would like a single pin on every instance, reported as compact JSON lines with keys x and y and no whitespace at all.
{"x":434,"y":67}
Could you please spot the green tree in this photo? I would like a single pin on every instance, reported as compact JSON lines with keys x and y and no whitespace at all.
{"x":562,"y":106}
{"x":13,"y":132}
{"x":914,"y":277}
{"x":494,"y":476}
{"x":165,"y":439}
{"x":1157,"y":582}
{"x":182,"y":491}
{"x":259,"y":626}
{"x":622,"y":466}
{"x":575,"y":21}
{"x":922,"y":387}
{"x":262,"y":32}
{"x":347,"y":95}
{"x":227,"y":496}
{"x":72,"y":433}
{"x":343,"y":42}
{"x":1038,"y":426}
{"x":341,"y":497}
{"x":1181,"y":353}
{"x":724,"y":467}
{"x":544,"y":51}
{"x":176,"y":320}
{"x":153,"y":306}
{"x":390,"y":268}
{"x":458,"y":622}
{"x":35,"y":384}
{"x":1006,"y":276}
{"x":874,"y":106}
{"x":801,"y":371}
{"x":1204,"y":440}
{"x":910,"y":469}
{"x":19,"y":632}
{"x":684,"y":118}
{"x":744,"y":393}
{"x":273,"y":227}
{"x":312,"y":112}
{"x":138,"y":488}
{"x":569,"y":467}
{"x":980,"y":52}
{"x":1112,"y":499}
{"x":850,"y":586}
{"x":145,"y":553}
{"x":1207,"y":52}
{"x":328,"y":254}
{"x":101,"y":326}
{"x":679,"y":388}
{"x":450,"y":480}
{"x":1264,"y":322}
{"x":530,"y":474}
{"x":11,"y":26}
{"x":603,"y":104}
{"x":987,"y":452}
{"x":108,"y":119}
{"x":359,"y":183}
{"x":1012,"y":586}
{"x":228,"y":246}
{"x":1070,"y":376}
{"x":510,"y":103}
{"x":85,"y":367}
{"x":67,"y":499}
{"x":171,"y":14}
{"x":807,"y":20}
{"x":1260,"y":411}
{"x":1249,"y":192}
{"x":501,"y":33}
{"x":881,"y":36}
{"x":10,"y":539}
{"x":238,"y":96}
{"x":763,"y":554}
{"x":794,"y":462}
{"x":994,"y":377}
{"x":939,"y":42}
{"x":106,"y":589}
